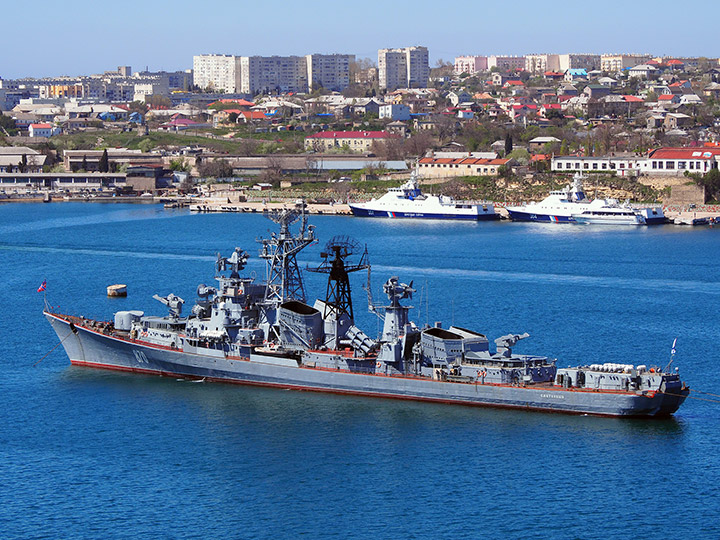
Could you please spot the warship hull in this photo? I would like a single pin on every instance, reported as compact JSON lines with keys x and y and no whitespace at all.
{"x":93,"y":348}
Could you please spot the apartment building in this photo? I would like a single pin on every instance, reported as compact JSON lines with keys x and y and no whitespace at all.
{"x":540,"y":63}
{"x":273,"y":74}
{"x":506,"y":63}
{"x":588,"y":62}
{"x":56,"y":91}
{"x":407,"y":67}
{"x":613,"y":63}
{"x":331,"y":71}
{"x":217,"y":72}
{"x":470,"y":64}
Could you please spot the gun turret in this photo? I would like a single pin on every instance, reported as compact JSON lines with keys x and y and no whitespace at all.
{"x":505,"y":343}
{"x":173,"y":302}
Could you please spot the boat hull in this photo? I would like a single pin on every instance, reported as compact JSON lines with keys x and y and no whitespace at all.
{"x":519,"y":215}
{"x":606,"y":221}
{"x":369,"y":212}
{"x":92,"y":348}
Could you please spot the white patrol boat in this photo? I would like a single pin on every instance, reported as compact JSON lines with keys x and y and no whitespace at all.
{"x":408,"y":201}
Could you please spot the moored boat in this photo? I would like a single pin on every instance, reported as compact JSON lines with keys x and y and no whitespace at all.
{"x":570,"y":205}
{"x":408,"y":201}
{"x":609,"y":213}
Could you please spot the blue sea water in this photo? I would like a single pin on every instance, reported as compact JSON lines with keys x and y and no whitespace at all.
{"x":92,"y":454}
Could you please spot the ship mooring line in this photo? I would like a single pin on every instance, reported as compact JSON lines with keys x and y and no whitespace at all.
{"x":51,"y":350}
{"x":693,"y":397}
{"x":706,"y":393}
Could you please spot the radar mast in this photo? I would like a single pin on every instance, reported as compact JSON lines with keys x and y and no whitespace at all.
{"x":284,"y":281}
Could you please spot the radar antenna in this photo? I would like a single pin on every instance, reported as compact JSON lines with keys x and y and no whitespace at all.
{"x":234,"y":263}
{"x":337,"y":250}
{"x":284,"y":281}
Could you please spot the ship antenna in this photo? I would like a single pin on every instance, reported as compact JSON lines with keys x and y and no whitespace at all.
{"x":672,"y":356}
{"x":427,"y":303}
{"x":368,"y":287}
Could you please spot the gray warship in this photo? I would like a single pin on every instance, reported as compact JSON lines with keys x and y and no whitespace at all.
{"x":266,"y":334}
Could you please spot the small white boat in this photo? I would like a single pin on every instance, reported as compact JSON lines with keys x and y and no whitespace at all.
{"x":609,"y":213}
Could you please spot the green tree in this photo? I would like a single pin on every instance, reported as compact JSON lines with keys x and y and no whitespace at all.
{"x":520,"y":155}
{"x":84,"y":165}
{"x":711,"y":181}
{"x":104,"y":163}
{"x":146,"y":145}
{"x":232,"y":117}
{"x":22,"y":166}
{"x":8,"y":124}
{"x":179,"y":165}
{"x":564,"y":148}
{"x":508,"y":144}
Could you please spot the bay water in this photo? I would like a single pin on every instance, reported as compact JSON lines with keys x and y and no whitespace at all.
{"x":87,"y":453}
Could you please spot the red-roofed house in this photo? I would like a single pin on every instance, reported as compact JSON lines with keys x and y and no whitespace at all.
{"x":252,"y":116}
{"x":429,"y":167}
{"x":680,"y":86}
{"x":545,"y":109}
{"x":669,"y":98}
{"x":356,"y":141}
{"x":42,"y":130}
{"x":520,"y":111}
{"x":554,"y":75}
{"x":222,"y":116}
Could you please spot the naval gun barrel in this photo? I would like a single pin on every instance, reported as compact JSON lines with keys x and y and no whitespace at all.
{"x":173,"y":302}
{"x":505,"y":343}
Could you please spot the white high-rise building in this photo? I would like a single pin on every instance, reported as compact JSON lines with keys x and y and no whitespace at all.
{"x":331,"y":71}
{"x":217,"y":72}
{"x":273,"y":74}
{"x":403,"y":68}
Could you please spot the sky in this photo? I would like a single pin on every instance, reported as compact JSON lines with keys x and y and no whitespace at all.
{"x":82,"y":37}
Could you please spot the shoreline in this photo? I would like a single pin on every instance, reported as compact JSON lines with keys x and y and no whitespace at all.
{"x":212,"y":205}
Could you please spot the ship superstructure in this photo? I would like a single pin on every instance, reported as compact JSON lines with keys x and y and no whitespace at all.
{"x":245,"y":332}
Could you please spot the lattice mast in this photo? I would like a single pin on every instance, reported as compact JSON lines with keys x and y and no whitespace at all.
{"x":337,"y":296}
{"x":284,"y":280}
